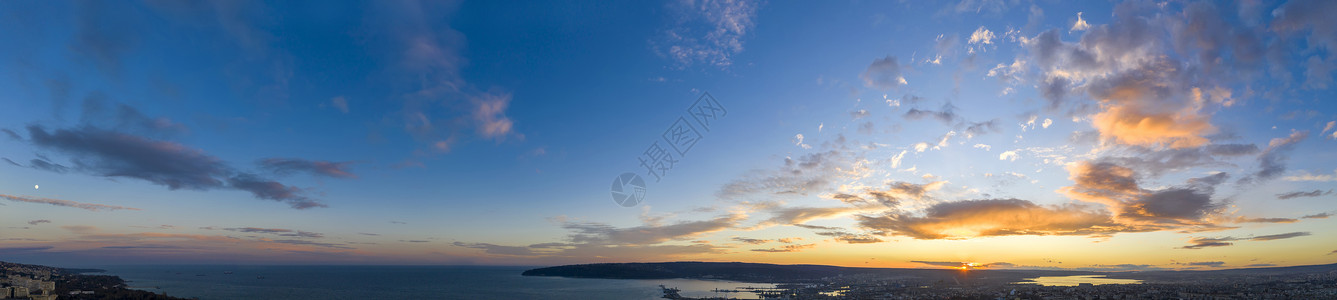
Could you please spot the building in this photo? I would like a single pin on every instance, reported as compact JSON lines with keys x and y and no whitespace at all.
{"x":48,"y":286}
{"x":18,"y":292}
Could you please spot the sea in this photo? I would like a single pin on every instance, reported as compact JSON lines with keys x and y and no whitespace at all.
{"x":1077,"y":280}
{"x":400,"y":282}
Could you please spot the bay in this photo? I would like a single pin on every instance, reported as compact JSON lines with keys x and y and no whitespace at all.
{"x":1079,"y":279}
{"x":404,"y":282}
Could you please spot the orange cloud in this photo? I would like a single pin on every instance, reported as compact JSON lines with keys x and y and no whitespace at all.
{"x":1147,"y":107}
{"x":895,"y":193}
{"x":787,"y":248}
{"x":993,"y":217}
{"x":1130,"y":125}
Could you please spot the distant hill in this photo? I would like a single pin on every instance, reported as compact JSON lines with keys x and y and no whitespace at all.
{"x":771,"y":273}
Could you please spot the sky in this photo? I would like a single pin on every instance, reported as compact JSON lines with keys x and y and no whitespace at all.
{"x":917,"y":134}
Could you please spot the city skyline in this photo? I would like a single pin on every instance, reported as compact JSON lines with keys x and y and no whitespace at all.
{"x":975,"y":134}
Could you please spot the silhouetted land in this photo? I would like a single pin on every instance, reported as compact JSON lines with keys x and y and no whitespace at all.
{"x":770,"y":273}
{"x":832,"y":282}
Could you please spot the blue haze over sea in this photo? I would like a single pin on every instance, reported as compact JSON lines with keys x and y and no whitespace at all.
{"x":396,"y":282}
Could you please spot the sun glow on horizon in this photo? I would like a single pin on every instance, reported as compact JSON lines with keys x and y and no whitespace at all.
{"x":1067,"y":136}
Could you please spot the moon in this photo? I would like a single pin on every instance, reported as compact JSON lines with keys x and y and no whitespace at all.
{"x":36,"y":187}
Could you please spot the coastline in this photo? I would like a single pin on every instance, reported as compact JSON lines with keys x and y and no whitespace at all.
{"x":406,"y":282}
{"x":45,"y":282}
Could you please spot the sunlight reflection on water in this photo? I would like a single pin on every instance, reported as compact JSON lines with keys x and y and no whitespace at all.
{"x":1075,"y":280}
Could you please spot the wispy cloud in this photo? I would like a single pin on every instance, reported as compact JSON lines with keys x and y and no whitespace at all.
{"x":1293,"y":195}
{"x":597,"y":241}
{"x":340,"y":103}
{"x":23,"y":250}
{"x":278,"y":232}
{"x":750,"y":241}
{"x":144,"y":247}
{"x":11,"y":134}
{"x":310,"y":243}
{"x":1272,"y":162}
{"x":272,"y":190}
{"x":801,"y":175}
{"x":883,"y":74}
{"x":841,"y":235}
{"x":596,"y":233}
{"x":65,"y":203}
{"x":284,"y":166}
{"x":707,"y":32}
{"x":1203,"y":242}
{"x":946,"y":115}
{"x":99,"y":111}
{"x":956,"y":264}
{"x":857,"y":239}
{"x":1206,"y":264}
{"x":114,"y":154}
{"x":432,"y":56}
{"x":1306,"y":176}
{"x":895,"y":193}
{"x":1265,"y":220}
{"x":497,"y":249}
{"x":1317,"y":216}
{"x":787,"y":248}
{"x":798,"y":215}
{"x":1232,"y":149}
{"x":80,"y":229}
{"x":490,"y":115}
{"x":1279,"y":236}
{"x":991,"y":217}
{"x":1117,"y":187}
{"x":1199,"y":243}
{"x":102,"y":39}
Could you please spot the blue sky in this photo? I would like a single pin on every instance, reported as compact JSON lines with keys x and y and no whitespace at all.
{"x":488,"y":132}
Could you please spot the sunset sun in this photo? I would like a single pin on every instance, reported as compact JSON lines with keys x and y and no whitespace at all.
{"x":680,"y":149}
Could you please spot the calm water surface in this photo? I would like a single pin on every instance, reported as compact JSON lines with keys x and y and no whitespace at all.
{"x":402,"y":282}
{"x":1075,"y":280}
